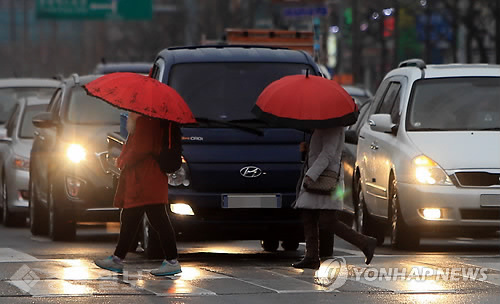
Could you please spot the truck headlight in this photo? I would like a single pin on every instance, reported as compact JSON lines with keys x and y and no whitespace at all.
{"x":76,"y":153}
{"x":180,"y":177}
{"x":428,"y":172}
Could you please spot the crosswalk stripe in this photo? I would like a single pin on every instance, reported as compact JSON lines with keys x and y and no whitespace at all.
{"x":9,"y":255}
{"x":75,"y":277}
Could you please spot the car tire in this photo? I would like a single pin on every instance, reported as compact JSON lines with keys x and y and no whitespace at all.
{"x":363,"y":223}
{"x":39,"y":224}
{"x":151,"y":241}
{"x":9,"y":219}
{"x":270,"y":245}
{"x":290,"y":245}
{"x":61,"y":226}
{"x":401,"y":235}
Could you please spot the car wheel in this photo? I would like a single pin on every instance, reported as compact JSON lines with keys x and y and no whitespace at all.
{"x":150,"y":241}
{"x":362,"y":221}
{"x":38,"y":214}
{"x":401,"y":236}
{"x":9,"y":219}
{"x":270,"y":245}
{"x":61,"y":225}
{"x":290,"y":245}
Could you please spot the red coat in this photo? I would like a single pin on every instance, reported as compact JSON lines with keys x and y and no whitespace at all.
{"x":141,"y":180}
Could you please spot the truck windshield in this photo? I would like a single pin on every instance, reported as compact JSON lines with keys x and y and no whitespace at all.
{"x":84,"y":109}
{"x":454,"y":104}
{"x":227,"y":90}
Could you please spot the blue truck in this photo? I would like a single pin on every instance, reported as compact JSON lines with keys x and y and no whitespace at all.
{"x":238,"y":176}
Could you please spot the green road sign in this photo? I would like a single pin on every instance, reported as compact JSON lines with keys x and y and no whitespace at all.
{"x":95,"y":9}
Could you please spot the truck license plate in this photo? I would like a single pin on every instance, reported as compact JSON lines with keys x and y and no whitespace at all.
{"x":251,"y":201}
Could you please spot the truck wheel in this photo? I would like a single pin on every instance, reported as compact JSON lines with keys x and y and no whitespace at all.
{"x":270,"y":245}
{"x":290,"y":245}
{"x":38,"y":214}
{"x":150,"y":241}
{"x":326,"y":241}
{"x":61,"y":225}
{"x":401,"y":236}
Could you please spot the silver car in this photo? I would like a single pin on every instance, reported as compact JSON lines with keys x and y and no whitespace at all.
{"x":428,"y":157}
{"x":12,"y":89}
{"x":15,"y":150}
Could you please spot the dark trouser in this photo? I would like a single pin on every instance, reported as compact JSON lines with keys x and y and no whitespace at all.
{"x":131,"y":218}
{"x":328,"y":219}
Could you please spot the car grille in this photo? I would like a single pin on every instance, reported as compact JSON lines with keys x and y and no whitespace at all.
{"x":478,"y":179}
{"x":480,"y":214}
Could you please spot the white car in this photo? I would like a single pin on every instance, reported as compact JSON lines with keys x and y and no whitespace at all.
{"x":428,"y":157}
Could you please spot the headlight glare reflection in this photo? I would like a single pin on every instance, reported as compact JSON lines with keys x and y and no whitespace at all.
{"x":76,"y":153}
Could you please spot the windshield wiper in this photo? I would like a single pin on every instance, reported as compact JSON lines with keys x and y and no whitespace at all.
{"x":231,"y":125}
{"x":490,"y":129}
{"x":428,"y":129}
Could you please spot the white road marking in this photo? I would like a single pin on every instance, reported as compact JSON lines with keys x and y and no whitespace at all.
{"x":9,"y":255}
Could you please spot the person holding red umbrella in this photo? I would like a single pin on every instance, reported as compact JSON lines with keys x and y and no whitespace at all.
{"x":321,"y":105}
{"x":142,"y":189}
{"x":143,"y":186}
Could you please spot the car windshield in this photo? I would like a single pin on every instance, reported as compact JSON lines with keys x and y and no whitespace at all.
{"x":453,"y":104}
{"x":227,"y":91}
{"x":84,"y":109}
{"x":9,"y":97}
{"x":27,"y":128}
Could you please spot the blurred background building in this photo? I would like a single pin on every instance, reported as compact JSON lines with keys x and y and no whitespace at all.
{"x":377,"y":34}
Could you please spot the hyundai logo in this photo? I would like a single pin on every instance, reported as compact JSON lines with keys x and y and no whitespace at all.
{"x":250,"y":172}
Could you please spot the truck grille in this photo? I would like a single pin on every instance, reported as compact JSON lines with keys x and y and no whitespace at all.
{"x":478,"y":179}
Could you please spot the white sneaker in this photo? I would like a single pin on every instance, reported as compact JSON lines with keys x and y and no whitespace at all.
{"x":110,"y":263}
{"x":167,"y":269}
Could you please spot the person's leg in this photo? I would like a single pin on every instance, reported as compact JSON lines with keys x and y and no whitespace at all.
{"x":160,"y":222}
{"x":364,"y":243}
{"x":130,"y":219}
{"x":310,"y":220}
{"x":129,"y":223}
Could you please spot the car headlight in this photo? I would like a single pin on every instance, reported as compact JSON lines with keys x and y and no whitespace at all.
{"x":428,"y":172}
{"x":21,"y":163}
{"x":180,"y":177}
{"x":76,"y":153}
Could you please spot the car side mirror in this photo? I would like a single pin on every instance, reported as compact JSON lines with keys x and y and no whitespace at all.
{"x":3,"y":136}
{"x":382,"y":123}
{"x":351,"y":137}
{"x":43,"y":120}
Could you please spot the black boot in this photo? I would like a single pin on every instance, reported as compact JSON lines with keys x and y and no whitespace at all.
{"x":369,"y":249}
{"x":307,"y":262}
{"x":311,"y":234}
{"x":365,"y":243}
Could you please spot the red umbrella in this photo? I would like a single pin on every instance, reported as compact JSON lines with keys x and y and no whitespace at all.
{"x":141,"y":94}
{"x":306,"y":102}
